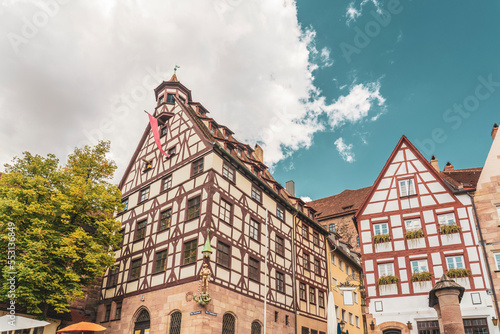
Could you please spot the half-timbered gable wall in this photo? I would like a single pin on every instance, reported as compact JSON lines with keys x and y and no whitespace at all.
{"x":409,"y":196}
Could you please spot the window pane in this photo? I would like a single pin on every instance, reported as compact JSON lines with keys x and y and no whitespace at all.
{"x":225,"y":211}
{"x":190,"y":251}
{"x":194,"y":207}
{"x":165,"y":219}
{"x":253,"y":269}
{"x":223,"y":254}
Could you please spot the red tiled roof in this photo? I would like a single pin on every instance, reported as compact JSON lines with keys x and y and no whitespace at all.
{"x":467,"y":177}
{"x":347,"y":201}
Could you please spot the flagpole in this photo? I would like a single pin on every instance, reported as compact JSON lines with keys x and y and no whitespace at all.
{"x":265,"y":275}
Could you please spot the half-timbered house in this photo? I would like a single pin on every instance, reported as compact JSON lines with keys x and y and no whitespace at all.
{"x":415,"y":225}
{"x":209,"y":186}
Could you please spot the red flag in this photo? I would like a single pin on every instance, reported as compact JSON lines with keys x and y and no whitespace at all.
{"x":156,"y":133}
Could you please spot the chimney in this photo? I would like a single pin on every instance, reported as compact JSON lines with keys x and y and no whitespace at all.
{"x":290,"y":187}
{"x":259,"y":153}
{"x":449,"y":167}
{"x":434,"y":163}
{"x":494,"y":131}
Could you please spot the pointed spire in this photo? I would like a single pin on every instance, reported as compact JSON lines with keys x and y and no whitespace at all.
{"x":207,"y":249}
{"x":173,"y":78}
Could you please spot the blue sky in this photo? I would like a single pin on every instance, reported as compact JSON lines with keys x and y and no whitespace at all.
{"x":327,"y":88}
{"x":428,"y":58}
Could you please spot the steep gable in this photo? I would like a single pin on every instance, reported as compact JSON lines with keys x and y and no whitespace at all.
{"x":406,"y":182}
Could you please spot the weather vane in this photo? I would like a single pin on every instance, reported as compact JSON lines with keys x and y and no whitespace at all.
{"x":176,"y":67}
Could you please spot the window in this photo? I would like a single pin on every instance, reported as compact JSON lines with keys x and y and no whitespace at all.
{"x":334,"y":283}
{"x":228,"y":324}
{"x":331,"y":227}
{"x":144,"y":195}
{"x":419,"y":266}
{"x":225,"y":211}
{"x":380,"y":228}
{"x":497,"y":260}
{"x":118,"y":312}
{"x":455,"y":262}
{"x":280,"y":282}
{"x":198,"y":167}
{"x":357,"y":241}
{"x":113,"y":277}
{"x":356,"y":321}
{"x":312,"y":295}
{"x":347,"y":269}
{"x":406,"y":187}
{"x":170,"y":98}
{"x":256,"y":194}
{"x":476,"y":326}
{"x":351,"y":319}
{"x":280,"y":213}
{"x":223,"y":254}
{"x":447,"y":219}
{"x":343,"y":315}
{"x":167,"y":183}
{"x":228,"y":172}
{"x":305,"y":232}
{"x":316,"y":238}
{"x":385,"y":269}
{"x":332,"y":258}
{"x":160,"y":99}
{"x":337,"y":312}
{"x":355,"y":296}
{"x":108,"y":313}
{"x":305,"y":260}
{"x":125,"y":203}
{"x":254,"y":229}
{"x":413,"y":224}
{"x":253,"y":269}
{"x":193,"y":208}
{"x":256,"y":327}
{"x":175,"y":323}
{"x":302,"y":291}
{"x":428,"y":327}
{"x":280,"y":249}
{"x":135,"y":269}
{"x":287,"y":320}
{"x":317,"y":268}
{"x":163,"y":131}
{"x":161,"y":260}
{"x":321,"y":299}
{"x":305,"y":330}
{"x":341,"y":265}
{"x":141,"y":230}
{"x":190,"y":248}
{"x":165,"y":219}
{"x":171,"y":151}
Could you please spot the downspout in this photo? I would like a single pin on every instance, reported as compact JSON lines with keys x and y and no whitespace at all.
{"x":294,"y":271}
{"x":265,"y":275}
{"x":483,"y":246}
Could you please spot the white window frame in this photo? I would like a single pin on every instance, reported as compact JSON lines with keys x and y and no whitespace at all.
{"x":497,"y":260}
{"x":378,"y":229}
{"x":357,"y":320}
{"x":407,"y":187}
{"x":419,"y":265}
{"x":228,"y":171}
{"x":454,"y":262}
{"x":444,"y":219}
{"x":413,"y":224}
{"x":386,"y":269}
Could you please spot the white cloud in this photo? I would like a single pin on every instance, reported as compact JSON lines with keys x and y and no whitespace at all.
{"x":353,"y":13}
{"x":248,"y":62}
{"x":345,"y":151}
{"x":306,"y":199}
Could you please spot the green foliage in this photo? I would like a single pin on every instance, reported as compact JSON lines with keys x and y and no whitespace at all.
{"x":456,"y":273}
{"x":389,"y":279}
{"x":420,"y":277}
{"x":65,"y":232}
{"x":381,"y":238}
{"x":449,"y":229}
{"x":414,"y":234}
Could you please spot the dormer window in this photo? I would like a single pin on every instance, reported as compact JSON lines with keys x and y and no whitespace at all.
{"x":171,"y":151}
{"x":160,"y":100}
{"x":226,"y":134}
{"x":170,"y":98}
{"x":240,"y":151}
{"x":406,"y":187}
{"x":212,"y":129}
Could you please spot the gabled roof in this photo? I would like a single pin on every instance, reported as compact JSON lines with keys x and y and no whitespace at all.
{"x":462,"y":179}
{"x":347,"y":202}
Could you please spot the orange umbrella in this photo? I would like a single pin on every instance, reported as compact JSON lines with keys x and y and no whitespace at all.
{"x":82,"y":327}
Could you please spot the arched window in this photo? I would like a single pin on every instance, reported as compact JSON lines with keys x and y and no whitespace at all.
{"x":142,"y":323}
{"x":175,"y":323}
{"x":256,"y":327}
{"x":392,"y":331}
{"x":228,"y":324}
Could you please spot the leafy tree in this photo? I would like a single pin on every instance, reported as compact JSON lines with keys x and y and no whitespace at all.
{"x":62,"y":219}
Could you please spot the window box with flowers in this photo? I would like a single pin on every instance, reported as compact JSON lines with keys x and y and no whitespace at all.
{"x":415,"y":234}
{"x":387,"y":285}
{"x":381,"y":238}
{"x":386,"y":280}
{"x":458,"y":273}
{"x":449,"y":229}
{"x":421,"y":277}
